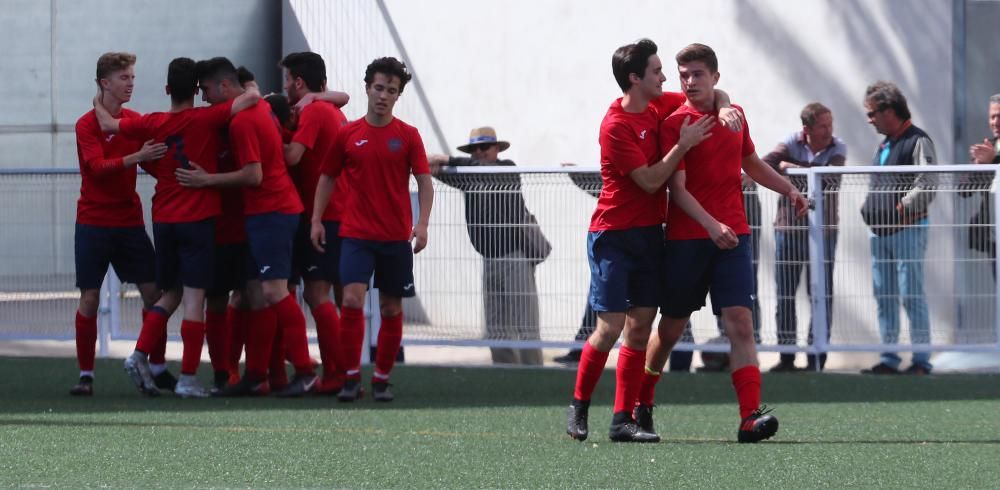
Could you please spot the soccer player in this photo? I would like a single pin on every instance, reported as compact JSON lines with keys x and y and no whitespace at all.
{"x":708,"y":242}
{"x":376,"y":155}
{"x":273,"y":211}
{"x":183,"y":219}
{"x":625,"y":239}
{"x":109,"y":224}
{"x":317,"y":127}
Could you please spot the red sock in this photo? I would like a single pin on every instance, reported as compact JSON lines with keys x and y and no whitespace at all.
{"x":259,"y":340}
{"x":327,"y":325}
{"x":352,"y":336}
{"x":152,"y":336}
{"x":390,"y":336}
{"x":628,"y":376}
{"x":193,"y":336}
{"x":277,"y":374}
{"x":588,"y":373}
{"x":218,"y":340}
{"x":647,"y":389}
{"x":238,"y":322}
{"x":293,"y":329}
{"x":86,"y":341}
{"x":746,"y":381}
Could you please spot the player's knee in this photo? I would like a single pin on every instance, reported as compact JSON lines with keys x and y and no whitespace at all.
{"x":739,"y":325}
{"x":90,"y":301}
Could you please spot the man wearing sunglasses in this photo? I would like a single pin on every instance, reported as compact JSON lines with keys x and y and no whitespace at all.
{"x":506,"y":235}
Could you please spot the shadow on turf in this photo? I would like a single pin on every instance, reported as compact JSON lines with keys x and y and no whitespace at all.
{"x":32,"y":385}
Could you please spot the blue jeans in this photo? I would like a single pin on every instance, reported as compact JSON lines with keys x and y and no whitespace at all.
{"x":791,"y":256}
{"x":898,"y":275}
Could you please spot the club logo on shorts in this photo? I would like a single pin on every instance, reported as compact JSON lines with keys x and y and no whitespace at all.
{"x":408,"y":287}
{"x":264,"y":269}
{"x":312,"y":268}
{"x":395,"y":144}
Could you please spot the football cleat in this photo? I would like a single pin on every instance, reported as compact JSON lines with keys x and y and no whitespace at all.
{"x":302,"y":384}
{"x":381,"y":393}
{"x":758,"y":426}
{"x":643,"y":415}
{"x":188,"y":387}
{"x":165,"y":381}
{"x":220,"y":379}
{"x":625,"y":429}
{"x":351,"y":391}
{"x":137,"y":367}
{"x":576,"y":419}
{"x":84,"y":388}
{"x":242,"y":387}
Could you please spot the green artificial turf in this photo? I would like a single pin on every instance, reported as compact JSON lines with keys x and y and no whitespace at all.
{"x":482,"y":427}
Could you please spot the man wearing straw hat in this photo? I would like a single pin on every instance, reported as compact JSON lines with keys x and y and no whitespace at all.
{"x":508,"y":238}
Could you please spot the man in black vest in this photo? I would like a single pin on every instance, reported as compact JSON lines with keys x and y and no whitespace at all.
{"x":896,"y":210}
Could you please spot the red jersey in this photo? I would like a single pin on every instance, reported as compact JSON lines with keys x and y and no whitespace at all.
{"x":713,"y":176}
{"x":319,"y":124}
{"x":191,"y":134}
{"x":255,"y":138}
{"x":107,"y":188}
{"x":628,"y":141}
{"x":377,"y":163}
{"x":230,"y":227}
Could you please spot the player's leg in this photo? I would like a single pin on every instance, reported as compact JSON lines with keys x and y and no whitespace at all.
{"x":357,"y":264}
{"x":92,"y":256}
{"x":197,"y":264}
{"x":394,"y":280}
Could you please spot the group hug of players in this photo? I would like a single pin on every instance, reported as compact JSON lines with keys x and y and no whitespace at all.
{"x":253,"y":195}
{"x":696,"y":145}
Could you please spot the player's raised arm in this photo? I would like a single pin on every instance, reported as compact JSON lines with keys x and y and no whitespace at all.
{"x":108,"y":122}
{"x":339,"y":99}
{"x":729,"y":116}
{"x":249,"y":98}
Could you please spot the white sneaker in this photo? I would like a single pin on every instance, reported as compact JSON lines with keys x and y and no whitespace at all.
{"x":188,"y":387}
{"x":137,"y":367}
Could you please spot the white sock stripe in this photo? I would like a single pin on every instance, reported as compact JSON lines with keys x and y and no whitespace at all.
{"x":380,"y":375}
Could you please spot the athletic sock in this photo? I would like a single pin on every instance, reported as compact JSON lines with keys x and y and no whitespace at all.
{"x":86,"y":341}
{"x":628,"y":375}
{"x":352,"y":336}
{"x":390,"y":336}
{"x":260,"y":337}
{"x":218,"y":339}
{"x":277,"y":374}
{"x":647,"y":389}
{"x":589,"y":371}
{"x":293,"y":329}
{"x":327,"y":326}
{"x":193,"y":337}
{"x":152,"y":336}
{"x":746,"y":381}
{"x":238,"y":322}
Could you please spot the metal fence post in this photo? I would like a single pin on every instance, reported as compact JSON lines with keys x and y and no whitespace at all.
{"x":817,"y":264}
{"x":996,"y":233}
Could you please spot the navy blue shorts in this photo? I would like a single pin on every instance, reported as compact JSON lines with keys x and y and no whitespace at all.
{"x":391,"y":262}
{"x":311,"y":264}
{"x":625,"y":268}
{"x":185,"y":254}
{"x":271,"y":237}
{"x":233,"y":268}
{"x":694,"y":268}
{"x":127,"y":249}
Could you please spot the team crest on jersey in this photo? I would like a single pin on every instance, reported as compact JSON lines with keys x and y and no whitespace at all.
{"x":109,"y":138}
{"x":395,"y":144}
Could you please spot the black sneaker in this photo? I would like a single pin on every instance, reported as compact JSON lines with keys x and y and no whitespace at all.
{"x":784,"y":367}
{"x":576,"y":419}
{"x":351,"y":391}
{"x":757,"y":426}
{"x":165,"y":381}
{"x":880,"y":368}
{"x":643,"y":415}
{"x":84,"y":388}
{"x":220,"y":380}
{"x":571,"y":357}
{"x":915,"y":369}
{"x":381,"y":393}
{"x":300,"y":385}
{"x":625,"y":429}
{"x":244,"y":387}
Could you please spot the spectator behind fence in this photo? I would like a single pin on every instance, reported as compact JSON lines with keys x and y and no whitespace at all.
{"x":896,"y":210}
{"x":508,"y":237}
{"x":981,"y":235}
{"x":812,"y":146}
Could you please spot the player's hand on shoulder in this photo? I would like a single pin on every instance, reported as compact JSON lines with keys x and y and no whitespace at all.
{"x":693,"y":133}
{"x":152,"y":151}
{"x":419,"y":237}
{"x":731,"y":118}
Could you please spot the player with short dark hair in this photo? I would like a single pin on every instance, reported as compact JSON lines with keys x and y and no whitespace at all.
{"x":109,"y":223}
{"x":376,"y":155}
{"x":183,"y":218}
{"x":708,"y":240}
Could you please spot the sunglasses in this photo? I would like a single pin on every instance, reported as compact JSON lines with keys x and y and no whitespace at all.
{"x":871,"y":114}
{"x":481,"y":146}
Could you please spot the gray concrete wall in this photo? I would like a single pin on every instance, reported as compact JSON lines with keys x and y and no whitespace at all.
{"x":52,"y":48}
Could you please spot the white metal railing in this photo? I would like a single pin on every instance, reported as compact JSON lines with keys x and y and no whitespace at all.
{"x":37,"y":298}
